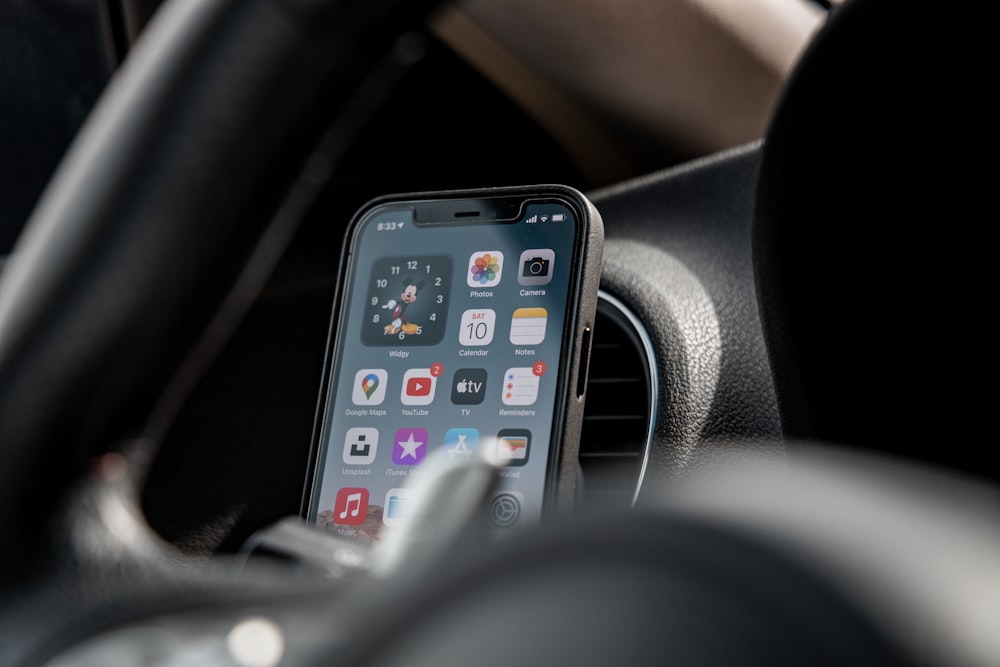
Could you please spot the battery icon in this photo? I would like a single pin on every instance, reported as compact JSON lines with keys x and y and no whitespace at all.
{"x":558,"y":217}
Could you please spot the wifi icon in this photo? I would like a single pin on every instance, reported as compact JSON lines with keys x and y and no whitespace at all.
{"x":545,"y":218}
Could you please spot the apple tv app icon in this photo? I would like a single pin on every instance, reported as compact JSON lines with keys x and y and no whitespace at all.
{"x":468,"y":386}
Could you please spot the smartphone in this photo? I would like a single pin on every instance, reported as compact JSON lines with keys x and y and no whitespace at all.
{"x":462,"y":321}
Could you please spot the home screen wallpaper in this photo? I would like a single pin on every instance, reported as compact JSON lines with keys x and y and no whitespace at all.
{"x":451,"y":342}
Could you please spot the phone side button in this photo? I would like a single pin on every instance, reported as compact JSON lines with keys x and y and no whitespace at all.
{"x":581,"y":376}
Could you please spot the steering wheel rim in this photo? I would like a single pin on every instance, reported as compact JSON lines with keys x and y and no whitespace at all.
{"x":89,"y":328}
{"x":134,"y":269}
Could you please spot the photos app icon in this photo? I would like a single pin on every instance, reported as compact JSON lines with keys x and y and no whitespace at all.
{"x":485,"y":268}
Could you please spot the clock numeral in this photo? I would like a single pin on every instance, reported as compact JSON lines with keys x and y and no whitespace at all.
{"x":437,"y":282}
{"x":374,"y":300}
{"x":433,"y":317}
{"x":381,"y":282}
{"x":394,"y":270}
{"x":411,"y":265}
{"x":440,"y":298}
{"x":375,"y":318}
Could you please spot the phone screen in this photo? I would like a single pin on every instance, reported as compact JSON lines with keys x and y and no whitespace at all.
{"x":450,"y":337}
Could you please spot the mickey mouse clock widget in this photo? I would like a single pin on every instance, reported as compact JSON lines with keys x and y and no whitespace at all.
{"x":407,"y":301}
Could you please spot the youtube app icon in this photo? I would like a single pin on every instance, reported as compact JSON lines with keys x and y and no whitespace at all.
{"x":418,"y":387}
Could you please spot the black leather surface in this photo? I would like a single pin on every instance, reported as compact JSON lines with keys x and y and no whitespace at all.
{"x":679,"y":254}
{"x":645,"y":590}
{"x":871,"y":259}
{"x":128,"y":258}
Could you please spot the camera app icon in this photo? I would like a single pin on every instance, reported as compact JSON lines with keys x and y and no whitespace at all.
{"x":536,"y":266}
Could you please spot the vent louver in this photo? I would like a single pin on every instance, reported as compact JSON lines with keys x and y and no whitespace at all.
{"x":619,"y":415}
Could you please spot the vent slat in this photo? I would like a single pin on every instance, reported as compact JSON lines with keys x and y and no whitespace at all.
{"x":609,"y":474}
{"x":614,"y":380}
{"x":611,"y":442}
{"x":608,"y":455}
{"x":615,"y":424}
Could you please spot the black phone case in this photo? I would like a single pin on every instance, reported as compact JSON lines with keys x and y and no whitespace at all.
{"x":561,"y":483}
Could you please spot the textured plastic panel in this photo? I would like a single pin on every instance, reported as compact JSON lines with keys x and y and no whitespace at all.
{"x":678,"y":253}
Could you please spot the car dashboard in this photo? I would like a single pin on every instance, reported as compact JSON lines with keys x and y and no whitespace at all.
{"x":764,"y":295}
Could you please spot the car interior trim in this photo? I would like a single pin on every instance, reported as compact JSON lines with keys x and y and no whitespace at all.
{"x":652,"y":377}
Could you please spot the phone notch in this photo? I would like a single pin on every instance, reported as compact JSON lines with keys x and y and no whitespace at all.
{"x":494,"y":210}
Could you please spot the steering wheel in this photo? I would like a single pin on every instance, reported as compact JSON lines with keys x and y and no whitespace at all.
{"x":151,"y":241}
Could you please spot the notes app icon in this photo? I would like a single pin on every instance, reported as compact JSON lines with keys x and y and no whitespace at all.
{"x":527,"y":326}
{"x":351,"y":506}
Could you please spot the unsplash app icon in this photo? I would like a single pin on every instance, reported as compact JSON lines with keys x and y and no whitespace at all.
{"x":360,"y":445}
{"x":468,"y":386}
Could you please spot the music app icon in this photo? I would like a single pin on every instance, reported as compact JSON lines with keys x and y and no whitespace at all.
{"x":351,"y":506}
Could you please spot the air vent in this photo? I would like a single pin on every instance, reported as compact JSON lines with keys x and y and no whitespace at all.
{"x":619,"y":415}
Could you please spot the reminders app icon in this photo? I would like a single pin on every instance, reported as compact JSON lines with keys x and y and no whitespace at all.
{"x":520,"y":386}
{"x":527,"y":326}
